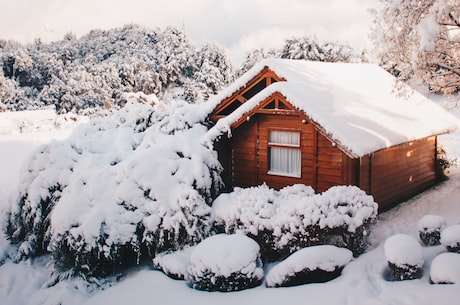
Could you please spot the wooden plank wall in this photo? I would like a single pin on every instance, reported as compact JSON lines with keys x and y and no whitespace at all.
{"x":289,"y":123}
{"x":244,"y":155}
{"x":330,"y":164}
{"x":399,"y":172}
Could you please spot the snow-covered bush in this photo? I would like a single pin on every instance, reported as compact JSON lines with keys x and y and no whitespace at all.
{"x":445,"y":269}
{"x":450,"y":238}
{"x":315,"y":264}
{"x":404,"y":256}
{"x":225,"y":263}
{"x":429,"y":228}
{"x":135,"y":183}
{"x":174,"y":264}
{"x":285,"y":221}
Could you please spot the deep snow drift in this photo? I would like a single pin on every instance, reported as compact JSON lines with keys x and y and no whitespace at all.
{"x":363,"y":281}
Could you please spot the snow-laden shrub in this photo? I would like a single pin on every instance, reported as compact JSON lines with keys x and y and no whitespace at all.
{"x":225,"y":263}
{"x":285,"y":221}
{"x":445,"y":269}
{"x":404,"y":256}
{"x":137,"y":182}
{"x":429,"y":228}
{"x":174,"y":264}
{"x":315,"y":264}
{"x":450,"y":238}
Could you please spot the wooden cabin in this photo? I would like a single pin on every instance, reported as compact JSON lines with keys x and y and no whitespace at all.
{"x":286,"y":122}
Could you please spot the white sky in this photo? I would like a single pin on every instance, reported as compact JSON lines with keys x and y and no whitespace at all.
{"x":236,"y":25}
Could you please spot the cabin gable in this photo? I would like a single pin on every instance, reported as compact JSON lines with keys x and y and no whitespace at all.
{"x":262,"y":80}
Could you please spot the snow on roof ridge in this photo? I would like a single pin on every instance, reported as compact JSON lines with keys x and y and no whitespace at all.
{"x":348,"y":101}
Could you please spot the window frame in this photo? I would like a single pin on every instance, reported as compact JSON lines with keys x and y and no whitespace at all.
{"x":297,"y":147}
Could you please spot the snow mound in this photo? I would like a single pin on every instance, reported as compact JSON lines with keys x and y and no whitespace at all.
{"x":225,"y":263}
{"x":429,"y":228}
{"x":174,"y":264}
{"x":297,"y":267}
{"x":445,"y":269}
{"x":430,"y":223}
{"x":37,"y":120}
{"x":404,"y":256}
{"x":450,"y":238}
{"x":403,"y":250}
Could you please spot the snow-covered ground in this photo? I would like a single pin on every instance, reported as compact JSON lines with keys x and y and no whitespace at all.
{"x":364,"y":280}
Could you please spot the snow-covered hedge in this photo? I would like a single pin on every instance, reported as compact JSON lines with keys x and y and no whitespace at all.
{"x":315,"y":264}
{"x":174,"y":263}
{"x":429,"y":228}
{"x":137,"y":182}
{"x":404,"y":256}
{"x":445,"y":269}
{"x":450,"y":238}
{"x":285,"y":221}
{"x":225,"y":263}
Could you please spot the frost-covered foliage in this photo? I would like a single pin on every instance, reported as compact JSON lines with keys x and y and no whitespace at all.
{"x":429,"y":228}
{"x":135,"y":183}
{"x":404,"y":256}
{"x":225,"y":263}
{"x":315,"y":264}
{"x":306,"y":48}
{"x":450,"y":238}
{"x":418,"y":41}
{"x":285,"y":221}
{"x":445,"y":269}
{"x":95,"y":70}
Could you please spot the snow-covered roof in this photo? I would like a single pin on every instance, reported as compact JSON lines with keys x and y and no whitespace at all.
{"x":358,"y":106}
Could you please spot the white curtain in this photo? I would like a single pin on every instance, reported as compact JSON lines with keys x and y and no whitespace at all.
{"x":284,"y":138}
{"x":285,"y":160}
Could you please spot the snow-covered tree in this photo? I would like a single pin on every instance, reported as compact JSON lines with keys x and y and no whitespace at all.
{"x":214,"y":69}
{"x":310,"y":48}
{"x":95,"y":70}
{"x":419,"y":41}
{"x":305,"y":48}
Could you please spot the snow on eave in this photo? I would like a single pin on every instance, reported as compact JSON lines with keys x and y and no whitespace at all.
{"x":358,"y":126}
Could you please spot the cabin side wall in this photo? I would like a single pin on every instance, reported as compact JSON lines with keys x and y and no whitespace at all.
{"x":243,"y":154}
{"x":397,"y":173}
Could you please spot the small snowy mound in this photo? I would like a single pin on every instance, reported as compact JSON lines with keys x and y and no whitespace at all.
{"x":445,"y":269}
{"x":429,"y":228}
{"x":404,"y":256}
{"x":225,"y":263}
{"x":316,"y":264}
{"x":174,"y":264}
{"x":294,"y":218}
{"x":450,"y":238}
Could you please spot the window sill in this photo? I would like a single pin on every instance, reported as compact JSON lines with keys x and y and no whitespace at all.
{"x":284,"y":174}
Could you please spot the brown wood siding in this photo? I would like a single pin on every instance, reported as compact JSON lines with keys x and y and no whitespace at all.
{"x":243,"y":154}
{"x":330,"y":164}
{"x":400,"y":172}
{"x":289,"y":123}
{"x":364,"y":181}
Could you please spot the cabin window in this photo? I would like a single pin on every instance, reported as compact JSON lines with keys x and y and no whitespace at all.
{"x":284,"y":153}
